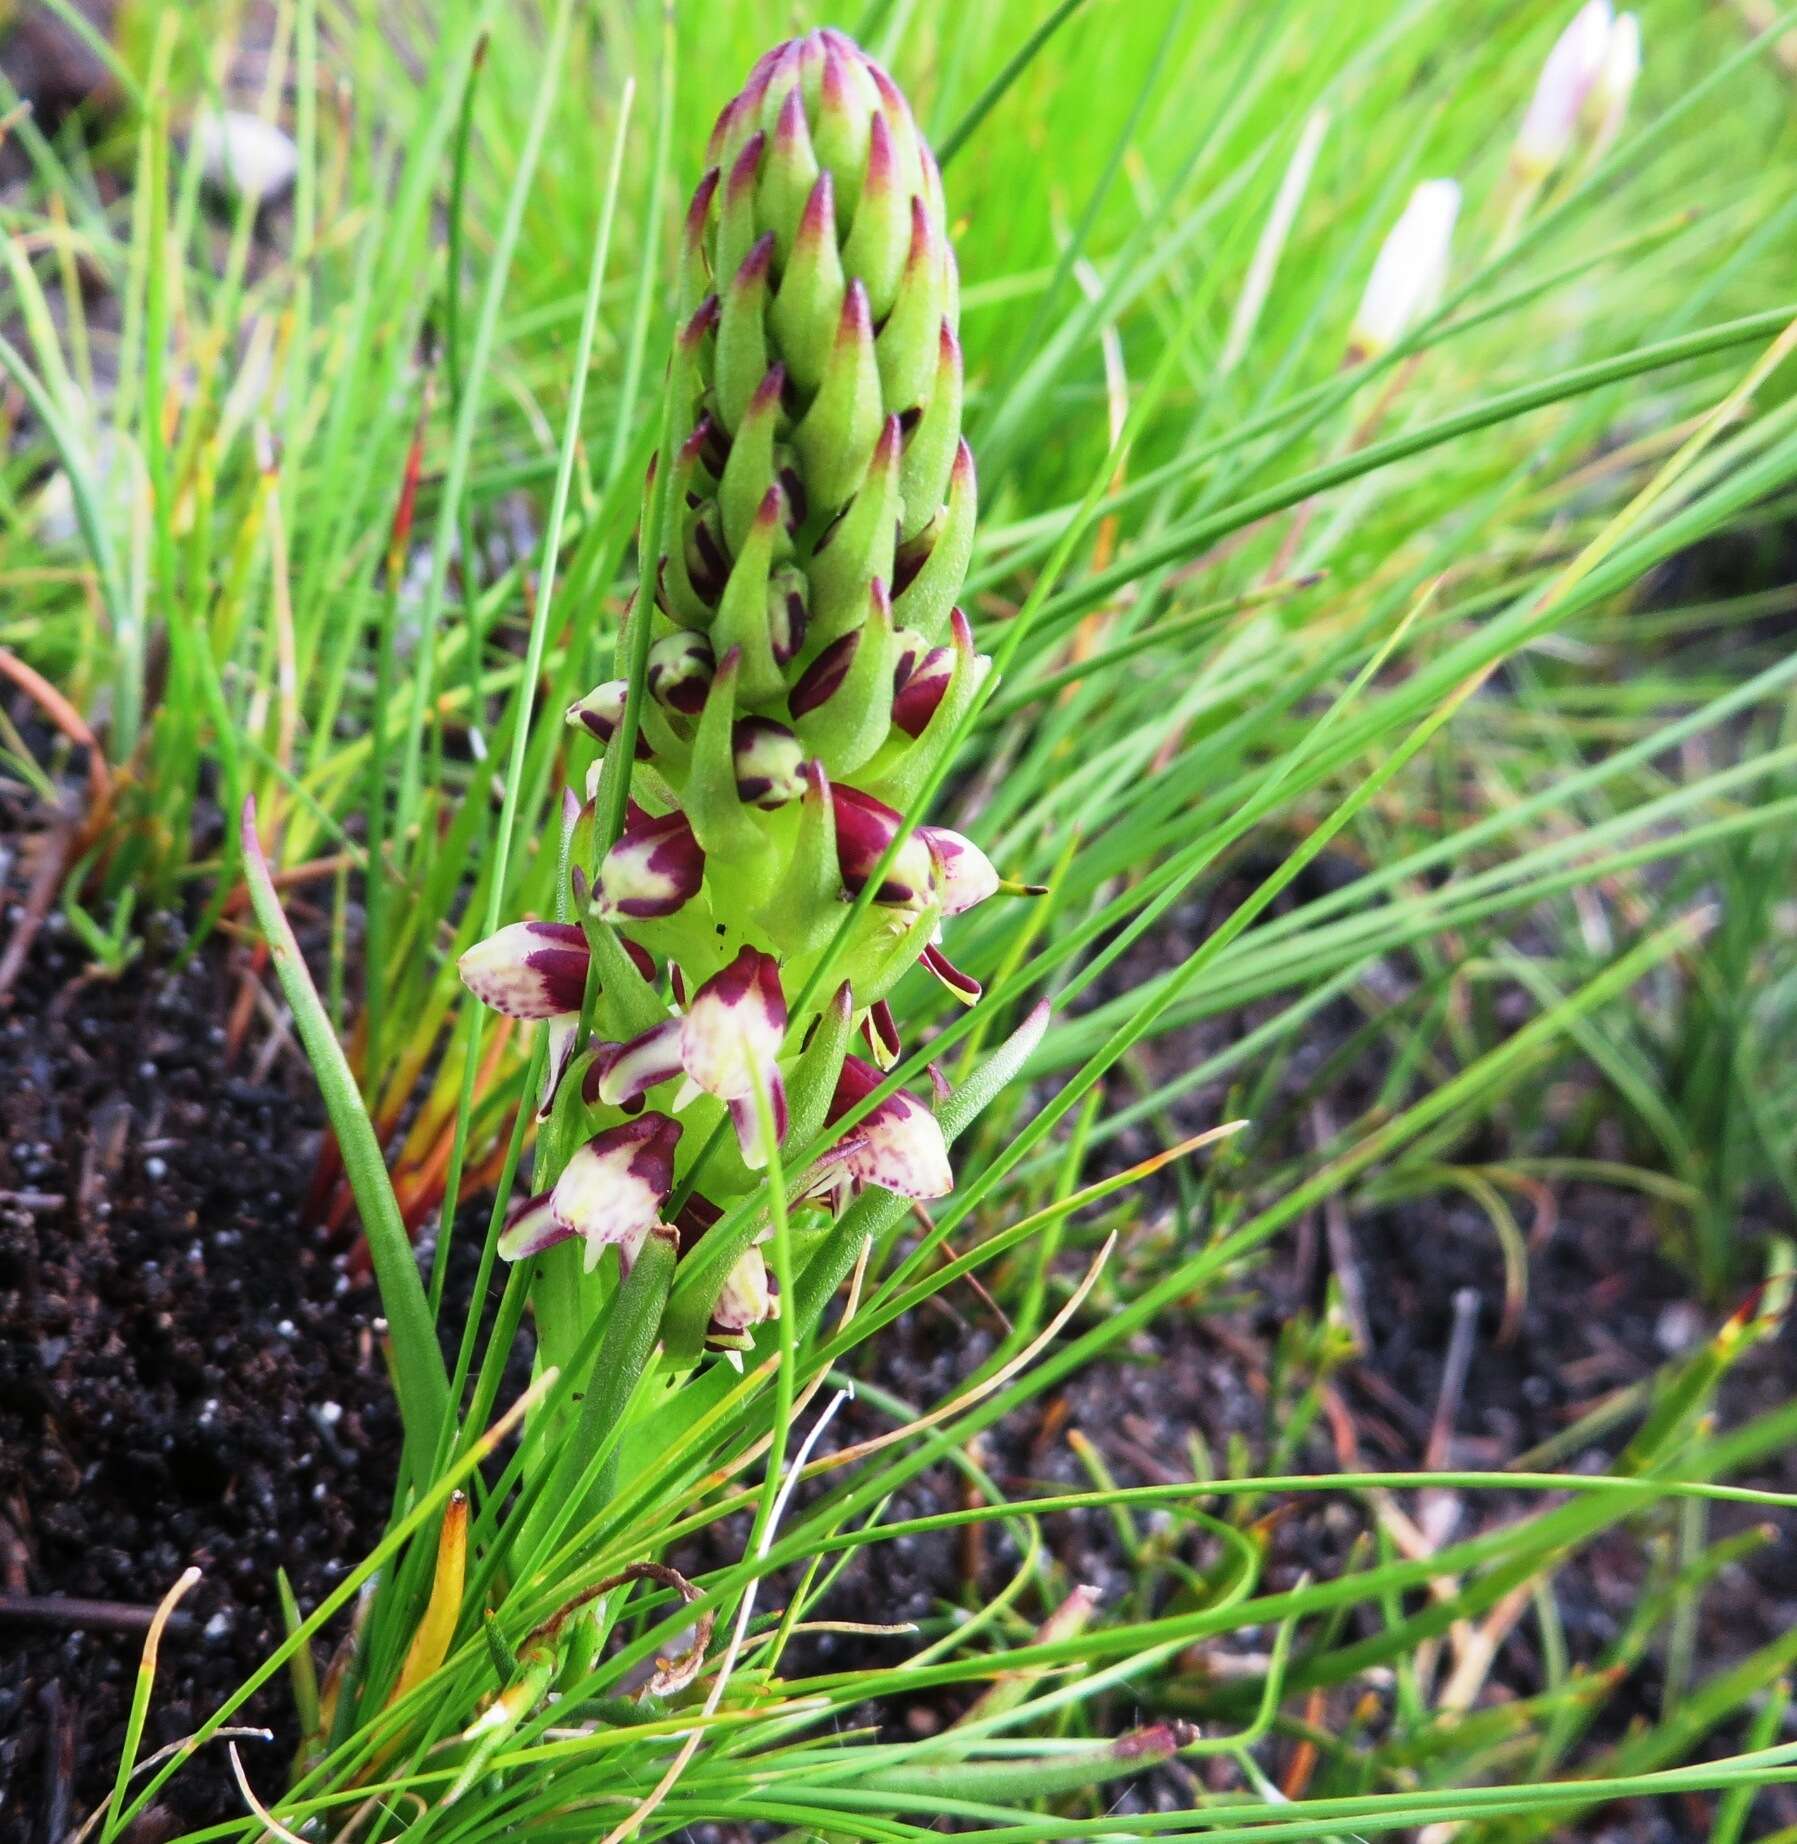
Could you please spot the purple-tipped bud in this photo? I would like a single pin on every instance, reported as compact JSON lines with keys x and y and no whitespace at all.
{"x":865,"y":829}
{"x":679,"y":671}
{"x":768,"y":759}
{"x":612,"y":1190}
{"x":655,"y":867}
{"x":1572,"y":70}
{"x":529,"y":970}
{"x":897,"y":1146}
{"x":788,"y":614}
{"x":601,"y":711}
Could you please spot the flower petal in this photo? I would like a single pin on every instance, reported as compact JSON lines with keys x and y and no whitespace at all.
{"x":865,"y":827}
{"x":528,"y":969}
{"x":531,"y":1227}
{"x":964,"y":874}
{"x":898,"y":1145}
{"x":735,"y":1026}
{"x":623,"y":1073}
{"x":614,"y":1187}
{"x":655,"y":868}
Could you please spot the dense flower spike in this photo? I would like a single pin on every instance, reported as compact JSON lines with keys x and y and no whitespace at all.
{"x":805,"y":669}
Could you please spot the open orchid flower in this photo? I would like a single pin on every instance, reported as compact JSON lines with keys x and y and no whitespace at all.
{"x":611,"y":1192}
{"x":725,"y":1043}
{"x":897,"y":1145}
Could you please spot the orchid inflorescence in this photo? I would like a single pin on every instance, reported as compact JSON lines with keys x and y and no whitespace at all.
{"x":805,"y":673}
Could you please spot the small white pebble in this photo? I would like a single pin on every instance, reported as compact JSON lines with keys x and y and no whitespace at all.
{"x":155,"y":1168}
{"x":219,"y":1625}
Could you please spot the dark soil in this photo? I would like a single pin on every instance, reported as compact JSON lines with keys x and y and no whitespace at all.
{"x":184,"y":1378}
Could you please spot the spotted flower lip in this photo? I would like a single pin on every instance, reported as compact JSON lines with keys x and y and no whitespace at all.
{"x":897,"y":1145}
{"x":654,"y":869}
{"x":528,"y":970}
{"x":865,"y":828}
{"x":611,"y":1192}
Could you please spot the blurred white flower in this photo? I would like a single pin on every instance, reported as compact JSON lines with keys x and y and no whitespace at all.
{"x":244,"y":156}
{"x":1607,"y":106}
{"x":1568,"y":77}
{"x":1410,"y":270}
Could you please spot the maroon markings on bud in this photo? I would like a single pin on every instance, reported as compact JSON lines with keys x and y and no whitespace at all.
{"x":790,"y":130}
{"x":769,"y":392}
{"x":855,"y":324}
{"x":601,"y":711}
{"x":679,"y":671}
{"x":817,"y":223}
{"x":911,"y":558}
{"x":767,"y":758}
{"x":797,"y":501}
{"x":822,"y":679}
{"x":883,"y":1034}
{"x":915,"y":701}
{"x":865,"y":828}
{"x":692,"y":450}
{"x":964,"y":873}
{"x":697,"y":1215}
{"x":714,"y":447}
{"x":755,"y":265}
{"x":640,"y":958}
{"x":655,"y":867}
{"x":677,"y":980}
{"x":528,"y":970}
{"x":882,"y":166}
{"x":708,"y":560}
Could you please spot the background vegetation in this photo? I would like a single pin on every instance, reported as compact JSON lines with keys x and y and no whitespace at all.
{"x":1407,"y":749}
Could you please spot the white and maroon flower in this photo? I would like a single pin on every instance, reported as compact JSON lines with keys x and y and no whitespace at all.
{"x":897,"y":1145}
{"x":531,"y":1227}
{"x":529,"y":969}
{"x":656,"y":866}
{"x":865,"y":828}
{"x":601,"y":711}
{"x":730,"y":1039}
{"x":679,"y":671}
{"x":1572,"y":70}
{"x":964,"y":874}
{"x":612,"y":1190}
{"x":726,"y":1042}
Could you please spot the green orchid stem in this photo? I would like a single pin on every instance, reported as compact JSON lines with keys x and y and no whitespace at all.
{"x":629,"y":1344}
